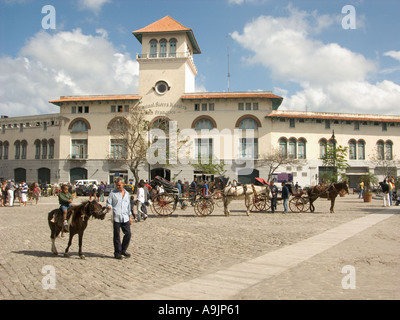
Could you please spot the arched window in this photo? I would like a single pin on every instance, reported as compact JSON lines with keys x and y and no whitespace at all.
{"x":301,"y":147}
{"x":163,"y":48}
{"x":17,"y":145}
{"x":172,"y":48}
{"x":352,"y":149}
{"x":1,"y":150}
{"x":283,"y":147}
{"x":44,"y":149}
{"x":5,"y":150}
{"x":381,"y":149}
{"x":248,"y":123}
{"x":118,"y":126}
{"x":322,"y":148}
{"x":161,"y":123}
{"x":51,"y":148}
{"x":79,"y":126}
{"x":361,"y":149}
{"x":389,"y":150}
{"x":24,"y":146}
{"x":153,"y":48}
{"x":292,"y":148}
{"x":37,"y":149}
{"x":203,"y":124}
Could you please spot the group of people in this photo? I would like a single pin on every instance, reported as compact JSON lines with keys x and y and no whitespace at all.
{"x":285,"y":196}
{"x":389,"y":193}
{"x":11,"y":191}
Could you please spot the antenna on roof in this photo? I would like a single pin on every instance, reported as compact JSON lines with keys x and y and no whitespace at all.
{"x":229,"y":74}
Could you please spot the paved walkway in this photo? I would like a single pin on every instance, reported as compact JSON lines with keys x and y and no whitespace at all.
{"x":264,"y":256}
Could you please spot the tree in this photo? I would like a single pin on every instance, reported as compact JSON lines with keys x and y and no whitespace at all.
{"x":210,"y":166}
{"x":386,"y":162}
{"x":276,"y":159}
{"x":334,"y":160}
{"x":133,"y":132}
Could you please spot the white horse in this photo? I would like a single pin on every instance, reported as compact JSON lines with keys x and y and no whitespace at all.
{"x":246,"y":192}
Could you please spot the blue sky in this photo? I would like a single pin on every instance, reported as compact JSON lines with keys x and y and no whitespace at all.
{"x":297,"y":49}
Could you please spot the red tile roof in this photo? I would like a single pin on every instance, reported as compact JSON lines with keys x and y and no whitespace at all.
{"x":332,"y":116}
{"x":95,"y":98}
{"x":165,"y":24}
{"x":230,"y":95}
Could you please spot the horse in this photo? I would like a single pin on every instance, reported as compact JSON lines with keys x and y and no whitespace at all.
{"x":330,"y":192}
{"x":78,"y":217}
{"x":246,"y":191}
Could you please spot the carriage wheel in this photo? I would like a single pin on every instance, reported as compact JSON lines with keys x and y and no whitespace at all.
{"x":164,"y":205}
{"x":306,"y":201}
{"x":203,"y":207}
{"x":218,"y":198}
{"x":296,"y":204}
{"x":259,"y":203}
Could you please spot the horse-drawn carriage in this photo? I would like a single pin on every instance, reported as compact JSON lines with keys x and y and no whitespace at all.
{"x":165,"y":203}
{"x":298,"y":202}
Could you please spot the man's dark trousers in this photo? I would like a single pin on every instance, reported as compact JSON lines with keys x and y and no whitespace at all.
{"x":126,"y":229}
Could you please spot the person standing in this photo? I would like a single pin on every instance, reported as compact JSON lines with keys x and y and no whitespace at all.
{"x":142,"y":198}
{"x":274,"y":198}
{"x":119,"y":202}
{"x":385,"y":190}
{"x":361,"y":189}
{"x":24,"y":193}
{"x":10,"y":192}
{"x":285,"y":197}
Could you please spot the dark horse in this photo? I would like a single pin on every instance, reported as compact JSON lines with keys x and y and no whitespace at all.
{"x":330,"y":192}
{"x":78,"y":217}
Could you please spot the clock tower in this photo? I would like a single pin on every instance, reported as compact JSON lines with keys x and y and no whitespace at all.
{"x":166,"y":67}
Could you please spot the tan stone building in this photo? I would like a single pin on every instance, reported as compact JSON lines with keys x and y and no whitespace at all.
{"x":236,"y":127}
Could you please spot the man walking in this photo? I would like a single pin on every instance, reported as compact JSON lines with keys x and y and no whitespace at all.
{"x":119,"y":201}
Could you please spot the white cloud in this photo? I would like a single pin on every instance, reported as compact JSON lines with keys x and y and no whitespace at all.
{"x":239,"y":2}
{"x":332,"y":78}
{"x":393,"y":54}
{"x":65,"y":63}
{"x":93,"y":5}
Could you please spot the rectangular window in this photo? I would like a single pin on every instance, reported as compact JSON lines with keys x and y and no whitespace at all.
{"x":204,"y":150}
{"x":86,"y":109}
{"x":327,"y":124}
{"x":255,"y":106}
{"x":21,"y":127}
{"x":292,"y":123}
{"x":196,"y":107}
{"x":356,"y":125}
{"x":248,"y":106}
{"x":241,"y":106}
{"x":118,"y":149}
{"x":126,"y":108}
{"x":73,"y":109}
{"x":211,"y":107}
{"x":44,"y":125}
{"x":384,"y":126}
{"x":113,"y":109}
{"x":80,"y":109}
{"x":248,"y":148}
{"x":79,"y":149}
{"x":204,"y":107}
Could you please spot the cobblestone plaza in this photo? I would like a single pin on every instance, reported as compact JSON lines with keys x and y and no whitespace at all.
{"x":170,"y":253}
